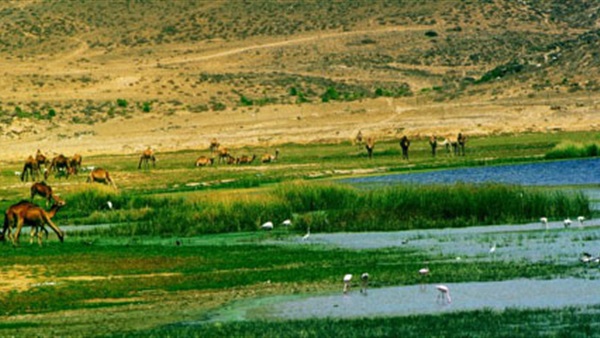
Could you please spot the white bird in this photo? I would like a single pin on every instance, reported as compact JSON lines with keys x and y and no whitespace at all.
{"x":444,"y":294}
{"x":110,"y":205}
{"x":287,"y":222}
{"x":305,"y":237}
{"x":267,"y":226}
{"x":586,"y":257}
{"x":424,"y":273}
{"x":493,"y":248}
{"x":580,"y":219}
{"x":347,"y":279}
{"x":567,"y":222}
{"x":544,"y":221}
{"x":364,"y":278}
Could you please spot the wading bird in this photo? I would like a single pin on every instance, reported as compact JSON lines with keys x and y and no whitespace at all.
{"x":580,"y":219}
{"x":305,"y":237}
{"x":347,"y":280}
{"x":544,"y":221}
{"x":567,"y":222}
{"x":364,"y":278}
{"x":444,"y":295}
{"x":267,"y":226}
{"x":287,"y":223}
{"x":424,"y":273}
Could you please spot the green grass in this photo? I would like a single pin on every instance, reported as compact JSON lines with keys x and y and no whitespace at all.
{"x":135,"y":269}
{"x":569,"y":322}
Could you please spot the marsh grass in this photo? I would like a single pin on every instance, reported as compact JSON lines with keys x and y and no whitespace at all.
{"x":568,"y":322}
{"x":324,"y":207}
{"x":570,"y":149}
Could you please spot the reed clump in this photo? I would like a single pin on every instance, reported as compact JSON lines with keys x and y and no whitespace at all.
{"x":330,"y":207}
{"x":573,"y":150}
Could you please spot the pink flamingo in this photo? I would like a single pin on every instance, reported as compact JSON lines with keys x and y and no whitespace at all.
{"x":444,"y":294}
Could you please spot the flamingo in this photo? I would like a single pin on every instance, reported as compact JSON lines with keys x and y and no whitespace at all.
{"x":305,"y":237}
{"x":586,"y":257}
{"x":544,"y":221}
{"x":424,"y":272}
{"x":567,"y":222}
{"x":267,"y":226}
{"x":580,"y":219}
{"x":364,"y":282}
{"x":347,"y":279}
{"x":444,"y":293}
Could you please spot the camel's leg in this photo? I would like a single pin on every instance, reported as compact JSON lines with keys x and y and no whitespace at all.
{"x":58,"y":232}
{"x":15,"y":238}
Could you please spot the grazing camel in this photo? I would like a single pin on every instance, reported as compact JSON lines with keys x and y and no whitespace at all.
{"x":100,"y":175}
{"x":75,"y":163}
{"x":27,"y":213}
{"x":147,"y":156}
{"x":29,"y":169}
{"x":268,"y":158}
{"x":59,"y":164}
{"x":370,"y":146}
{"x":404,"y":144}
{"x":41,"y":159}
{"x":44,"y":190}
{"x":204,"y":161}
{"x":214,"y":145}
{"x":224,"y":155}
{"x":244,"y":159}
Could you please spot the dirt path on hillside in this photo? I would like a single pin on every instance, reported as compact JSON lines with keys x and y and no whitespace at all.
{"x":288,"y":42}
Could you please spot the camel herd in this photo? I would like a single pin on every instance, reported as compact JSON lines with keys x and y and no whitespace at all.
{"x":224,"y":156}
{"x":26,"y":213}
{"x":454,"y":146}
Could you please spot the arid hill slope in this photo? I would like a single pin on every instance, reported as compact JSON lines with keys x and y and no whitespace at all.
{"x":117,"y":76}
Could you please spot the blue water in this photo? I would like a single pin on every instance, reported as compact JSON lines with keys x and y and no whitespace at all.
{"x":555,"y":173}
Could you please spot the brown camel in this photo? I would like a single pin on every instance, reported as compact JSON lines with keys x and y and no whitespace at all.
{"x":358,"y":140}
{"x":204,"y":161}
{"x":41,"y":159}
{"x":433,"y":143}
{"x":61,"y":165}
{"x":147,"y":156}
{"x":27,"y":213}
{"x":44,"y":190}
{"x":268,"y":158}
{"x":29,"y":169}
{"x":404,"y":144}
{"x":224,"y":155}
{"x":230,"y":159}
{"x":214,"y":145}
{"x":100,"y":175}
{"x":75,"y":164}
{"x":461,"y":140}
{"x":370,"y":146}
{"x":244,"y":159}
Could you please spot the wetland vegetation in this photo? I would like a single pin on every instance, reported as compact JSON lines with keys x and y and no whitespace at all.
{"x":178,"y":251}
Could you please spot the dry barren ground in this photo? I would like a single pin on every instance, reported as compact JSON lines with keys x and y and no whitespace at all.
{"x":129,"y":73}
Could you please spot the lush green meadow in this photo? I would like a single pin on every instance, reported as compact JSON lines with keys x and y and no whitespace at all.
{"x":188,"y":241}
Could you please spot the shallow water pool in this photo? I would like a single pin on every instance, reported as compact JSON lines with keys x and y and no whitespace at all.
{"x":416,"y":299}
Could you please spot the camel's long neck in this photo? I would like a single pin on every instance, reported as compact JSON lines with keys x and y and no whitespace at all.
{"x":53,"y":210}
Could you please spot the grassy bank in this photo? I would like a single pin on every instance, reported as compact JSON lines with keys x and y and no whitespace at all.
{"x":570,"y":322}
{"x":324,"y":207}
